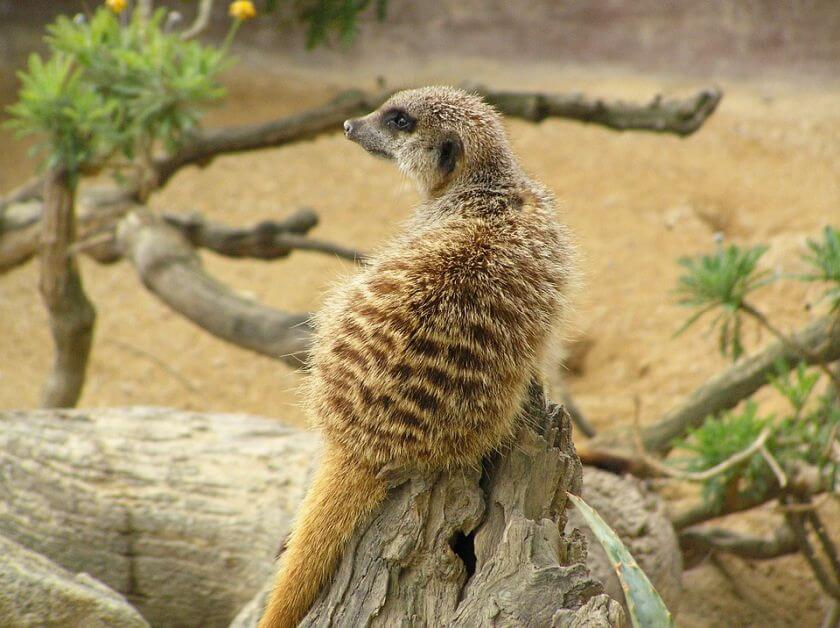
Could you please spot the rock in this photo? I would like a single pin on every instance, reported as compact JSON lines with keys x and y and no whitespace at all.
{"x":180,"y":512}
{"x":639,"y":518}
{"x":34,"y":591}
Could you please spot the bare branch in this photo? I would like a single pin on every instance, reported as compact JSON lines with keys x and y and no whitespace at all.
{"x":673,"y":116}
{"x":31,"y":190}
{"x":707,"y":510}
{"x":682,"y":117}
{"x":804,"y":480}
{"x":265,"y":240}
{"x":202,"y":19}
{"x":775,"y":467}
{"x":170,"y":268}
{"x":791,"y":343}
{"x":679,"y":116}
{"x":71,"y":313}
{"x":697,"y":543}
{"x":821,"y":341}
{"x":797,"y":523}
{"x":99,"y":210}
{"x":708,"y":474}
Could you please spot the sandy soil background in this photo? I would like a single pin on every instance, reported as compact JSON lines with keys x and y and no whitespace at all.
{"x":765,"y":169}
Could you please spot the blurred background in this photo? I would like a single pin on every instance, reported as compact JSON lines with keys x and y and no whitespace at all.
{"x":764,"y":169}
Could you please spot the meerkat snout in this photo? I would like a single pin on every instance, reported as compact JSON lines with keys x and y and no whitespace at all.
{"x":439,"y":137}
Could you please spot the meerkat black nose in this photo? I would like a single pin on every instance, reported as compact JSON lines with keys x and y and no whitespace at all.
{"x":348,"y":127}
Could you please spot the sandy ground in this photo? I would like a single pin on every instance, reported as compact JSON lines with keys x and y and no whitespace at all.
{"x":766,"y":168}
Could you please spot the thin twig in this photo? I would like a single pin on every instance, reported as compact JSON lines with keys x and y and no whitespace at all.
{"x":202,"y":19}
{"x":91,"y":242}
{"x":774,"y":466}
{"x":31,"y":190}
{"x":796,"y":521}
{"x":732,"y":461}
{"x":186,"y":383}
{"x":827,"y":543}
{"x":697,"y":476}
{"x":814,"y":504}
{"x":696,"y":542}
{"x":832,"y":615}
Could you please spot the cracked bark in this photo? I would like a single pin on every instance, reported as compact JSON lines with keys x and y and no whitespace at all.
{"x":472,"y":548}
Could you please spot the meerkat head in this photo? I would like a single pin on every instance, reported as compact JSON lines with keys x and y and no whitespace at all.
{"x":438,"y":136}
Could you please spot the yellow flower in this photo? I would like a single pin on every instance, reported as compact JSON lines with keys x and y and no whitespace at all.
{"x":242,"y":10}
{"x":117,"y":6}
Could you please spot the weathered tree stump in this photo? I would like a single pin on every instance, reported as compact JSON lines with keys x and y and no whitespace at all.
{"x":473,"y":547}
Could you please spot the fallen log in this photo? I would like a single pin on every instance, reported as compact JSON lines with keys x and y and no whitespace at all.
{"x":180,"y":512}
{"x":34,"y":591}
{"x":184,"y":513}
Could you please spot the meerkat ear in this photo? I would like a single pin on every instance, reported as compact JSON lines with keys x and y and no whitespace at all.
{"x":450,"y":152}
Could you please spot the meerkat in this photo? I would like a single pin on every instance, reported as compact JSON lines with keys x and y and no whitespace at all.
{"x":423,"y":359}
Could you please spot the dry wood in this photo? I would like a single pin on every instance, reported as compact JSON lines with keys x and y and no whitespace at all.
{"x":821,"y":341}
{"x":98,"y":211}
{"x":35,"y":591}
{"x":171,"y":269}
{"x":103,"y":208}
{"x":265,"y":240}
{"x":32,"y":189}
{"x":71,"y":314}
{"x":830,"y":582}
{"x":464,"y":548}
{"x":804,"y":480}
{"x":201,"y":21}
{"x":180,"y":512}
{"x":668,"y":116}
{"x":680,"y":116}
{"x":697,"y":543}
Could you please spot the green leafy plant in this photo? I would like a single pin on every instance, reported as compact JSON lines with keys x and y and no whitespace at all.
{"x":744,"y":458}
{"x":718,"y":440}
{"x":824,"y":257}
{"x":75,"y":121}
{"x":327,"y":18}
{"x":722,"y":281}
{"x":111,"y":88}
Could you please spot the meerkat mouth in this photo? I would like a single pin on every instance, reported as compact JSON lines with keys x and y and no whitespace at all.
{"x":378,"y":152}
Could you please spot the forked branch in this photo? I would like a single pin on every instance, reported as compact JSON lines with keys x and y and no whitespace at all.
{"x":171,"y":269}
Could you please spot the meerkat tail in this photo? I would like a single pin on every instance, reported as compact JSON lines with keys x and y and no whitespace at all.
{"x":341,"y":495}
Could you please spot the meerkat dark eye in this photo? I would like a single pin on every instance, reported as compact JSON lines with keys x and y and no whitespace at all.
{"x":399,"y":120}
